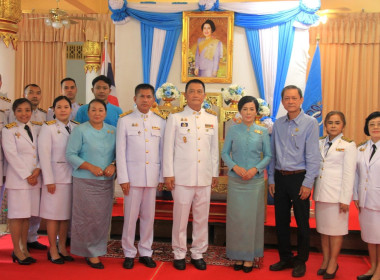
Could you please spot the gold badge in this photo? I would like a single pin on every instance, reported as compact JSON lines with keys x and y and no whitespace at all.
{"x":58,"y":131}
{"x":17,"y":134}
{"x":156,"y":128}
{"x":340,"y":149}
{"x":184,"y":124}
{"x":258,"y":131}
{"x":184,"y":139}
{"x":209,"y":126}
{"x":297,"y":129}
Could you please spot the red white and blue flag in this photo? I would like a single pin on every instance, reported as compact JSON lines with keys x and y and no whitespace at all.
{"x":106,"y":70}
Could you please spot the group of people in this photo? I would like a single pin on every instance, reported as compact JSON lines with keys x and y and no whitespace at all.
{"x":79,"y":162}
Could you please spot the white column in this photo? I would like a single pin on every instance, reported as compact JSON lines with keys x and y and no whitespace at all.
{"x":7,"y":70}
{"x":89,"y":77}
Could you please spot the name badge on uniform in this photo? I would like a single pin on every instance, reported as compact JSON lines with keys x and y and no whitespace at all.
{"x":209,"y":126}
{"x":184,"y":124}
{"x":135,"y":124}
{"x":183,"y":119}
{"x":258,"y":131}
{"x":156,"y":128}
{"x":184,"y":139}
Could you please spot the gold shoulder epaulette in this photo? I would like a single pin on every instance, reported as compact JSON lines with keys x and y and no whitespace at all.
{"x":322,"y":137}
{"x":362,"y":143}
{"x":10,"y":125}
{"x":211,"y":112}
{"x":75,"y":122}
{"x":51,"y":122}
{"x":42,"y":110}
{"x":36,"y":123}
{"x":5,"y":99}
{"x":178,"y":110}
{"x":125,"y":113}
{"x":161,"y":115}
{"x":346,"y":139}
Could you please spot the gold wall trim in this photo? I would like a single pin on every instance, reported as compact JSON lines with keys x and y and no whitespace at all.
{"x":10,"y":15}
{"x":92,"y":52}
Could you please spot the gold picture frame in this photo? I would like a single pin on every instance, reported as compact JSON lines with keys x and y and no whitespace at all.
{"x":207,"y":51}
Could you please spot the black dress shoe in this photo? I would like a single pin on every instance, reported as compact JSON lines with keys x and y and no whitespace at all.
{"x":247,"y":269}
{"x":199,"y":264}
{"x":128,"y":263}
{"x":25,"y":261}
{"x":364,"y":277}
{"x":36,"y":245}
{"x":147,"y":261}
{"x":331,"y":275}
{"x":281,"y":265}
{"x":179,"y":264}
{"x":299,"y":270}
{"x":321,"y":271}
{"x":98,"y":265}
{"x":67,"y":258}
{"x":238,"y":267}
{"x":55,"y":261}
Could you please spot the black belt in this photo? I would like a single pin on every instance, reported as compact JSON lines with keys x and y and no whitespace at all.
{"x":286,"y":173}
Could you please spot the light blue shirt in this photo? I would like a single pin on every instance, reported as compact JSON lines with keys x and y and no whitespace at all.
{"x":94,"y":146}
{"x":295,"y":146}
{"x":112,"y":117}
{"x":243,"y":147}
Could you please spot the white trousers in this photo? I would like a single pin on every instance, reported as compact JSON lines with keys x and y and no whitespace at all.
{"x":140,"y":201}
{"x":199,"y":199}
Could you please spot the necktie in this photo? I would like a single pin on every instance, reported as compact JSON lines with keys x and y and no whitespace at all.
{"x":27,"y":128}
{"x":328,"y":147}
{"x":68,"y":129}
{"x":373,"y":152}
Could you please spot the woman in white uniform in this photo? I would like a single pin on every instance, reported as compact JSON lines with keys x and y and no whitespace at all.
{"x":56,"y":198}
{"x":333,"y":190}
{"x":23,"y":177}
{"x":367,"y":193}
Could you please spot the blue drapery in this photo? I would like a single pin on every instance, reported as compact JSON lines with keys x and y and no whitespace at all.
{"x":146,"y":43}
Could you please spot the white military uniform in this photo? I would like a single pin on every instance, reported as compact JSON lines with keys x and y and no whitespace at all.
{"x":22,"y":157}
{"x":56,"y":170}
{"x":139,"y":146}
{"x":6,"y":106}
{"x":191,"y":156}
{"x":2,"y":166}
{"x":74,"y":106}
{"x":367,"y":191}
{"x":334,"y":184}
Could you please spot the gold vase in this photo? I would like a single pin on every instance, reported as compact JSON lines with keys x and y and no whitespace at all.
{"x":168,"y":101}
{"x":234,"y":104}
{"x":257,"y":119}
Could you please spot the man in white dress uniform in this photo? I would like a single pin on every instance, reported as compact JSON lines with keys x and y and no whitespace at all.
{"x":68,"y":89}
{"x":191,"y":168}
{"x":139,"y":146}
{"x":32,"y":92}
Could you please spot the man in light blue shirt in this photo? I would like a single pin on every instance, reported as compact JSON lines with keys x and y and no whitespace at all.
{"x":101,"y":88}
{"x":294,"y":166}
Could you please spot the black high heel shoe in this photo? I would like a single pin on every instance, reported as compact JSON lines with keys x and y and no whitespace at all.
{"x":67,"y":258}
{"x":331,"y":275}
{"x":238,"y":267}
{"x":98,"y":265}
{"x":55,"y":261}
{"x":22,"y":262}
{"x":247,"y":269}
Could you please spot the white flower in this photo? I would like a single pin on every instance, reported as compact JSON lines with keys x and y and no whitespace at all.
{"x":167,"y":90}
{"x":234,"y":93}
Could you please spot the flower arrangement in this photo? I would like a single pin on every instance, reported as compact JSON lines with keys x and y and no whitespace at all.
{"x":233,"y":93}
{"x":264,"y":110}
{"x":167,"y":90}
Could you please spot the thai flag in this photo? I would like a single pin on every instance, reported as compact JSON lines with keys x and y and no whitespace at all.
{"x":106,"y":70}
{"x":312,"y":104}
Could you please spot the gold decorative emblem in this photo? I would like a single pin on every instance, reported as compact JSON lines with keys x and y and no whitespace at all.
{"x":184,"y":139}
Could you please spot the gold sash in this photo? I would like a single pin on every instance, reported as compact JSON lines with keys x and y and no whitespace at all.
{"x":210,"y":46}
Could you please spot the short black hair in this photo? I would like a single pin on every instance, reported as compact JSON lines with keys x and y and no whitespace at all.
{"x":211,"y":23}
{"x":291,"y":87}
{"x":101,"y":78}
{"x":68,"y":79}
{"x":20,"y":101}
{"x":97,"y":101}
{"x":371,"y":116}
{"x":247,"y":99}
{"x":332,"y":113}
{"x":59,"y":98}
{"x":144,"y":86}
{"x":30,"y":85}
{"x":195,"y":81}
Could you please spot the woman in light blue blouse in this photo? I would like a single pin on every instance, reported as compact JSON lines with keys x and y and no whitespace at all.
{"x":91,"y":152}
{"x":246,"y":152}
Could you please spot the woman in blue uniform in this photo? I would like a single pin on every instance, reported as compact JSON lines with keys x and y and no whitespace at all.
{"x":23,"y":177}
{"x":56,"y":198}
{"x":91,"y":152}
{"x":246,"y":152}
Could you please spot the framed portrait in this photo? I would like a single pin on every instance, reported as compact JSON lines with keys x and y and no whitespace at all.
{"x":207,"y":46}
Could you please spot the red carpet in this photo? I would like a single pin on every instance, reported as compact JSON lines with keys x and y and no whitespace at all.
{"x":352,"y":225}
{"x":350,"y":266}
